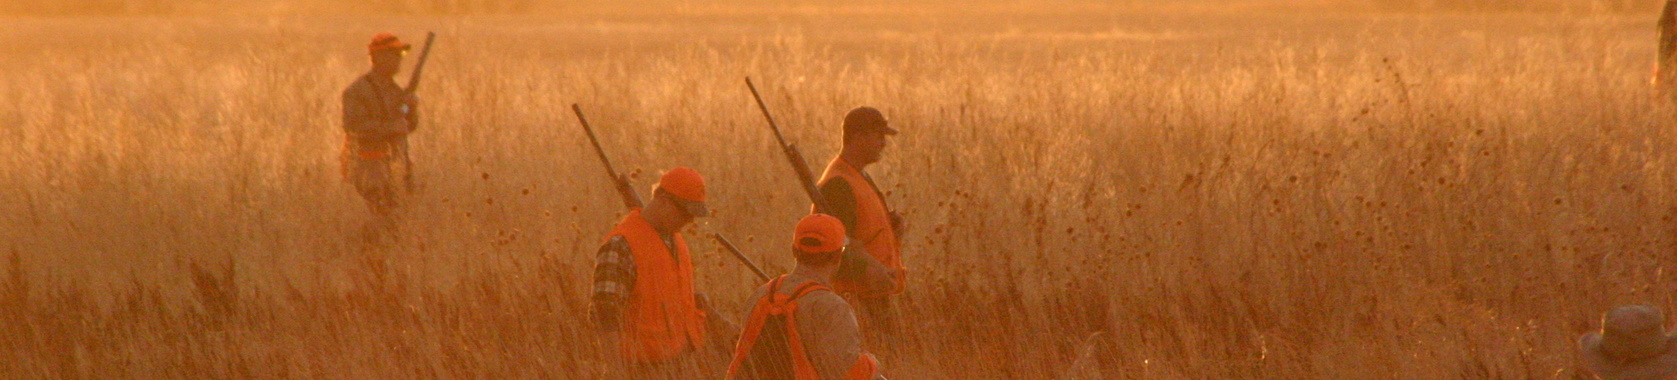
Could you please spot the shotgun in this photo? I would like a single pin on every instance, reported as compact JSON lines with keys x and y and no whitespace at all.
{"x":419,"y":66}
{"x":619,"y":181}
{"x":633,"y":201}
{"x":805,"y":176}
{"x":413,"y":117}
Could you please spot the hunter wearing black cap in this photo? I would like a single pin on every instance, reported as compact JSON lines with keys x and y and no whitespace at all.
{"x":875,"y":270}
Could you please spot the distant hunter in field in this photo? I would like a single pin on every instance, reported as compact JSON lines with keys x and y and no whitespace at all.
{"x":1665,"y":66}
{"x":378,"y":116}
{"x":874,"y":229}
{"x":798,"y":328}
{"x":643,"y":281}
{"x":1632,"y":345}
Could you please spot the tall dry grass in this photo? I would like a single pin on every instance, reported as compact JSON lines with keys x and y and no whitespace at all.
{"x":1225,"y":196}
{"x":552,"y":7}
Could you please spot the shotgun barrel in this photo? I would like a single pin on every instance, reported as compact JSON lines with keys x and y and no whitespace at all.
{"x":805,"y":176}
{"x":740,"y":255}
{"x":411,"y":114}
{"x":419,"y":66}
{"x":630,"y":200}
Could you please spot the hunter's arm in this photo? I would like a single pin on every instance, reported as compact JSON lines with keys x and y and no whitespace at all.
{"x":614,"y":277}
{"x":355,"y":110}
{"x":841,"y":201}
{"x":857,"y":263}
{"x":832,"y":338}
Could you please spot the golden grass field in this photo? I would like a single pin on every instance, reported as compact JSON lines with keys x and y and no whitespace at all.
{"x":1241,"y":191}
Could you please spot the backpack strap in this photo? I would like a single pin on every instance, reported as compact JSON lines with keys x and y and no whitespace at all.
{"x":802,"y":367}
{"x":776,"y":305}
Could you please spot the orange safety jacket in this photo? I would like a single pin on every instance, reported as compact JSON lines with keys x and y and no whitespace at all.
{"x":873,"y":225}
{"x":662,"y":320}
{"x":785,"y":308}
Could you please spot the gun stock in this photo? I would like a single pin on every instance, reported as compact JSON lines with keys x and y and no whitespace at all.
{"x":806,"y":177}
{"x":624,"y":190}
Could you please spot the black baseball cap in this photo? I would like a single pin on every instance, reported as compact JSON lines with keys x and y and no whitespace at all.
{"x":863,"y":119}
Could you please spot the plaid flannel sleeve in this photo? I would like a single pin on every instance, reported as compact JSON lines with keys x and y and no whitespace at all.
{"x":614,"y":277}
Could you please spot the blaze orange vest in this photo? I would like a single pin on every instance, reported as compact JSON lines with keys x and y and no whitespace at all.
{"x":873,"y":224}
{"x":662,"y":320}
{"x":785,"y":308}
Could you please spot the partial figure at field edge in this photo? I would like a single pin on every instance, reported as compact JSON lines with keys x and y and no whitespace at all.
{"x":1632,"y":345}
{"x":1665,"y":64}
{"x":378,"y":116}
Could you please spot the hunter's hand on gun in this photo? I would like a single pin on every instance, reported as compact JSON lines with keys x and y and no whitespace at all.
{"x":410,"y":109}
{"x":619,"y":181}
{"x":627,"y":192}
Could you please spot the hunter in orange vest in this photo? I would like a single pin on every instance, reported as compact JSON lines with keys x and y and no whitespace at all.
{"x":799,"y":329}
{"x":378,"y":114}
{"x":643,"y":275}
{"x":874,"y":269}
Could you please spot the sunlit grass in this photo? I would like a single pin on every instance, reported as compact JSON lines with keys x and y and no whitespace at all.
{"x":1252,"y":197}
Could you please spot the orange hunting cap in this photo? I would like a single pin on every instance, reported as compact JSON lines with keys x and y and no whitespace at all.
{"x":688,"y":188}
{"x":386,"y":41}
{"x":819,"y":233}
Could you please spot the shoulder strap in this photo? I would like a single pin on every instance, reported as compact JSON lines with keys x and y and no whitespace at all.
{"x":806,"y":288}
{"x":774,"y":304}
{"x":802,"y":367}
{"x":760,"y":313}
